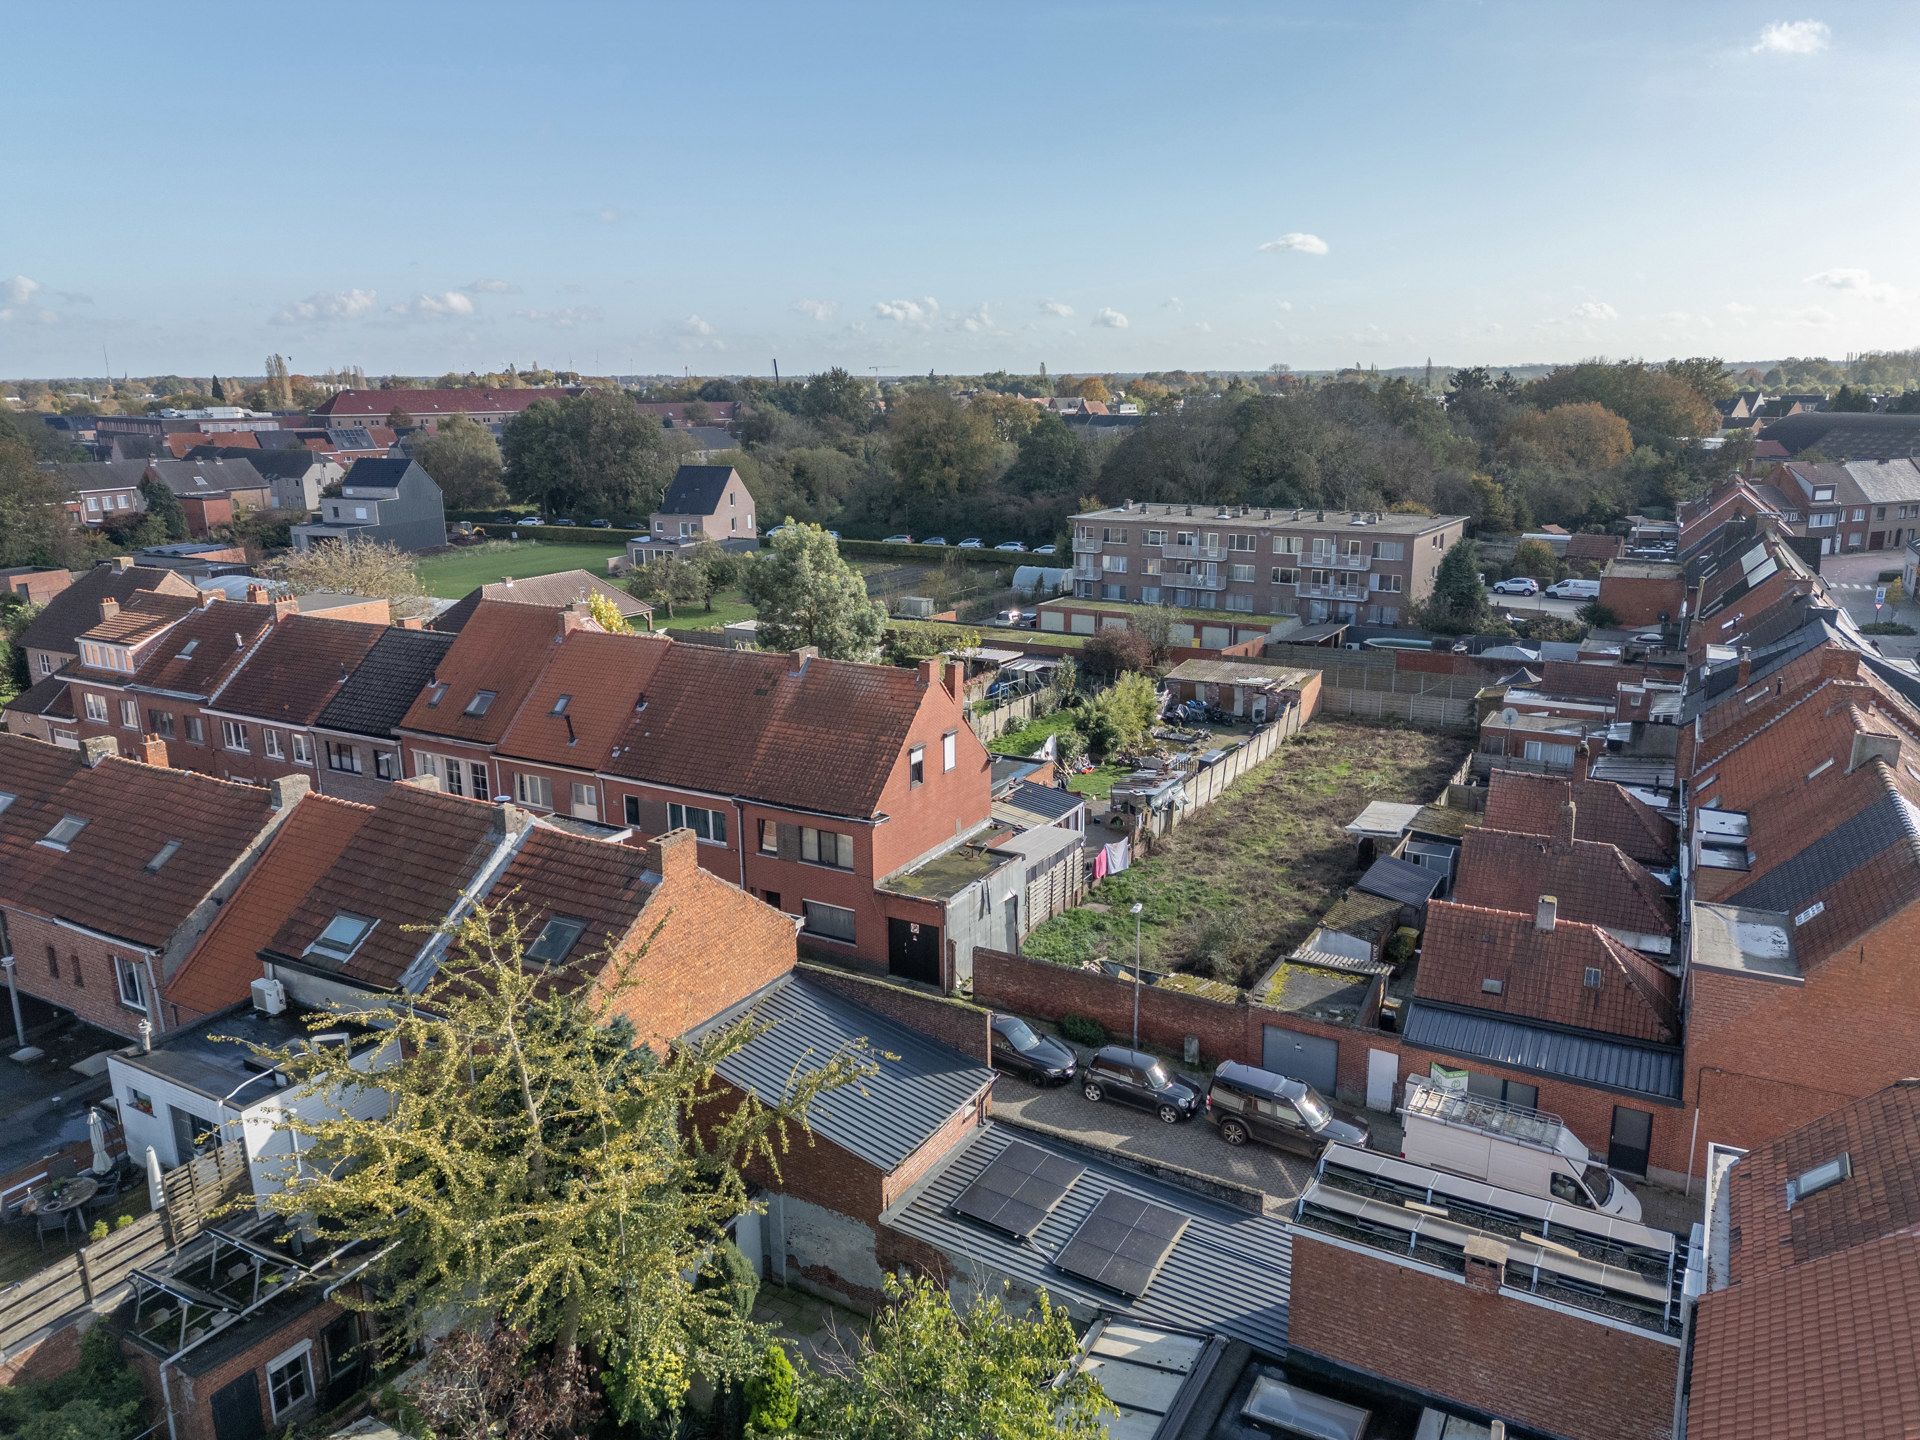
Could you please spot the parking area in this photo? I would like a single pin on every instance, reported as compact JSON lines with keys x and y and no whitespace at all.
{"x":1536,"y":605}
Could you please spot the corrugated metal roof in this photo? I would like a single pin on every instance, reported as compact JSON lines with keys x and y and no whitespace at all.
{"x":1401,"y":880}
{"x":1591,"y":1059}
{"x":1230,"y":1273}
{"x":883,"y":1119}
{"x":1043,"y":800}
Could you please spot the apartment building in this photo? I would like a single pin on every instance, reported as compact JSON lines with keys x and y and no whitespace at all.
{"x":1365,"y":566}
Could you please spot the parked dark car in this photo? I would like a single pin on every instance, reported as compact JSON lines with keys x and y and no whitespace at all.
{"x":564,"y":520}
{"x":1133,"y":1078}
{"x":1247,"y":1103}
{"x":1021,"y":1050}
{"x":601,"y":524}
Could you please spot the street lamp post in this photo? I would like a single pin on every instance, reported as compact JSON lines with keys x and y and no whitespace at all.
{"x":1134,"y":910}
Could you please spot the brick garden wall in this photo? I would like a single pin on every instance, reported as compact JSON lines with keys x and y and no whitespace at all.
{"x":952,"y":1022}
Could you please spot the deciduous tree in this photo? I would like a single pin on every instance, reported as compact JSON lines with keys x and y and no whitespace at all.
{"x":806,"y":594}
{"x":354,"y":567}
{"x":163,"y":506}
{"x":464,"y":460}
{"x":593,"y":453}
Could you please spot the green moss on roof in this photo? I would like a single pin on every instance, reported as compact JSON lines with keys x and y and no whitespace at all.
{"x":1201,"y":987}
{"x":1361,"y":914}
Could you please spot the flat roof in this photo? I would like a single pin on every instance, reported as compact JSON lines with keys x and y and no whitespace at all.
{"x":1237,"y":619}
{"x":214,"y":1057}
{"x":1275,"y":517}
{"x":1754,"y":942}
{"x":943,"y":876}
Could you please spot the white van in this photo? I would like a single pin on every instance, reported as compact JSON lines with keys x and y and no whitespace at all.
{"x":1574,"y":590}
{"x":1509,"y":1146}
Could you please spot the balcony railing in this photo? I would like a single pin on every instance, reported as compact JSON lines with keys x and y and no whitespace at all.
{"x":1331,"y":592}
{"x":1194,"y":582}
{"x":1313,"y":560}
{"x":1087,"y":546}
{"x":1174,"y":550}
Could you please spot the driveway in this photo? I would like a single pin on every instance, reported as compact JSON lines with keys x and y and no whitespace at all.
{"x":1542,"y":604}
{"x":1190,"y":1145}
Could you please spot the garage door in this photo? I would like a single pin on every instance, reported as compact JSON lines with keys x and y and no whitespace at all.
{"x":1312,"y":1058}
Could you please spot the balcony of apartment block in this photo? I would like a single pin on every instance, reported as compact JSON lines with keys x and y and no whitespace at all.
{"x":1314,"y":561}
{"x":1088,"y":546}
{"x":1329,"y":592}
{"x":1174,"y":550}
{"x":1195,"y":582}
{"x":1084,"y":571}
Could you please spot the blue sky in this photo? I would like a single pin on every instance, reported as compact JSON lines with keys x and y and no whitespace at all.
{"x":419,"y":187}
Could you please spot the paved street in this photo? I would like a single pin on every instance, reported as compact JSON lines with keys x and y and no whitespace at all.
{"x":1852,"y":579}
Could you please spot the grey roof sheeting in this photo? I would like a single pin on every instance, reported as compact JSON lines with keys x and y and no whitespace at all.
{"x":882,"y":1120}
{"x":1591,"y":1059}
{"x":1843,"y":851}
{"x":696,"y":490}
{"x":1401,"y":880}
{"x":1045,"y":800}
{"x":386,"y":682}
{"x":1230,"y":1272}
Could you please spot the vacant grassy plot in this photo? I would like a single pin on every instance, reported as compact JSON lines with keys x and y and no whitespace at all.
{"x":454,"y":573}
{"x":1247,"y":878}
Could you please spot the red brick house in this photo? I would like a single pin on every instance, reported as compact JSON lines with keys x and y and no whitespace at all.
{"x":1595,"y":883}
{"x":1603,"y":812}
{"x":111,"y":870}
{"x":259,"y":721}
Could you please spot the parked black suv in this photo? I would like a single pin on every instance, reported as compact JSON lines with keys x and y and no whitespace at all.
{"x":1247,"y":1103}
{"x":1019,"y":1049}
{"x":1136,"y":1079}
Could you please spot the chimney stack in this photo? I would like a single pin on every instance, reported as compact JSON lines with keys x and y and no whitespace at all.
{"x":1486,"y":1263}
{"x":956,"y":679}
{"x":287,"y":791}
{"x":674,"y":855}
{"x":96,"y":748}
{"x":1582,"y":760}
{"x":1563,"y":834}
{"x":257,"y":594}
{"x":122,"y":562}
{"x":109,"y":608}
{"x":153,"y":751}
{"x":1746,"y":664}
{"x":576,"y":617}
{"x":207,"y":597}
{"x":1546,"y":914}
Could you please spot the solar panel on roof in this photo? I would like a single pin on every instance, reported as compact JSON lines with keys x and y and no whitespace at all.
{"x":1018,"y":1190}
{"x":1122,"y":1244}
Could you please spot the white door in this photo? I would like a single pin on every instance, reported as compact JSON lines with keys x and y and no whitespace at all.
{"x":1383,"y":1070}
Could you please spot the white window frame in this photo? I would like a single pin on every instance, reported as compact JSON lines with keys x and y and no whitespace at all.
{"x":196,"y":730}
{"x":585,"y":800}
{"x":270,"y":744}
{"x":831,"y":844}
{"x":233,"y":736}
{"x":949,"y":750}
{"x":133,"y":996}
{"x":129,"y":715}
{"x":303,"y":1355}
{"x":302,"y":749}
{"x":709,"y":829}
{"x":96,"y":706}
{"x":531,"y":789}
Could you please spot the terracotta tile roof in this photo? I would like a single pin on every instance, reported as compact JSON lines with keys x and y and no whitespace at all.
{"x":179,"y":444}
{"x":602,"y":677}
{"x":810,"y":734}
{"x":47,"y":697}
{"x":1543,"y":974}
{"x":1587,"y":680}
{"x":429,"y":404}
{"x":556,"y":591}
{"x":386,"y":682}
{"x":296,"y":670}
{"x":555,"y":872}
{"x":1603,"y":812}
{"x":407,"y":866}
{"x":501,"y":648}
{"x":142,"y":616}
{"x":203,"y":649}
{"x":1817,"y":1333}
{"x":105,"y":878}
{"x":1594,"y":883}
{"x":226,"y":962}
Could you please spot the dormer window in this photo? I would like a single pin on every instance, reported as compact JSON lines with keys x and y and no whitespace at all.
{"x":341,"y":938}
{"x":481,"y":703}
{"x":65,"y":833}
{"x":556,"y":938}
{"x":1821,"y":1177}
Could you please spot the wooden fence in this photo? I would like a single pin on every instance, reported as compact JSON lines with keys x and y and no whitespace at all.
{"x":1206,"y":786}
{"x":195,"y":1193}
{"x":1012,"y":714}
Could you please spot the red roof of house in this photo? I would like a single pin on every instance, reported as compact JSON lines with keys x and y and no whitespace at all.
{"x":501,"y":649}
{"x":784,"y":729}
{"x":203,"y":649}
{"x":1587,"y":679}
{"x":428,"y":404}
{"x":180,"y":442}
{"x":77,"y":608}
{"x":1544,"y":974}
{"x":556,"y":872}
{"x":297,"y":669}
{"x":141,"y":616}
{"x":226,"y":962}
{"x":116,"y":875}
{"x":1817,"y":1332}
{"x":1594,"y":883}
{"x":602,"y":678}
{"x":1588,"y":546}
{"x":1603,"y":812}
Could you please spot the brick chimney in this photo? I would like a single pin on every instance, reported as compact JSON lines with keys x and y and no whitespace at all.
{"x":1546,"y":913}
{"x":258,"y":594}
{"x":929,"y":672}
{"x":1486,"y":1263}
{"x":804,"y":657}
{"x":122,"y":562}
{"x":576,"y":617}
{"x":1582,"y":760}
{"x":424,"y":782}
{"x":1746,"y":665}
{"x":1563,"y":832}
{"x":109,"y":608}
{"x":956,"y":679}
{"x":675,"y":855}
{"x":96,"y":748}
{"x":153,"y":751}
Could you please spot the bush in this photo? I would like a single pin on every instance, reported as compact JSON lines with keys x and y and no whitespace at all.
{"x":1597,"y":615}
{"x":99,"y":1399}
{"x":1116,"y":652}
{"x":1400,"y":946}
{"x":1082,"y":1031}
{"x":730,"y":1272}
{"x":773,"y":1395}
{"x":1888,"y":627}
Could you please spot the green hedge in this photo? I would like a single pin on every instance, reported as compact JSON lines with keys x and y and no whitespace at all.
{"x":881,"y":550}
{"x":572,"y":534}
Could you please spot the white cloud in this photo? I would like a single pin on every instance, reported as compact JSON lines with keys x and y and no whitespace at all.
{"x":821,"y":310}
{"x":327,"y":305}
{"x":977,"y":321}
{"x":1284,"y":306}
{"x":492,"y":286}
{"x":1739,"y":307}
{"x":19,"y":301}
{"x":1059,"y":309}
{"x":694,"y":325}
{"x":1814,"y":315}
{"x":19,"y":290}
{"x":1854,"y":281}
{"x":608,"y":215}
{"x":1686,"y":320}
{"x":1595,"y":310}
{"x":922,"y":312}
{"x":1175,"y":304}
{"x":447,"y":305}
{"x":1110,"y":319}
{"x":1794,"y":37}
{"x":565,"y":318}
{"x":1297,"y":241}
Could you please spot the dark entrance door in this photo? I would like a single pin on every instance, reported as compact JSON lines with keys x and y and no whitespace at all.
{"x":236,"y":1410}
{"x":1631,"y":1140}
{"x":913,"y":951}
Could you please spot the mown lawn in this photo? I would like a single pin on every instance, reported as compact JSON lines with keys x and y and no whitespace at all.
{"x":728,"y":606}
{"x":454,"y":573}
{"x":1248,"y":877}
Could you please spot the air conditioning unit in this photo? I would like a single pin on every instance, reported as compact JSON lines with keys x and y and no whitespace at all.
{"x":269,"y":995}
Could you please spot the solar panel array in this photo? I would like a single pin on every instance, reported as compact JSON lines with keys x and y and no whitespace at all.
{"x":1018,"y":1190}
{"x":1122,"y":1243}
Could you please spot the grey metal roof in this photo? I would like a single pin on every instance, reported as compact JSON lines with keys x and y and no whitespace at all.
{"x":1230,"y":1273}
{"x":1401,"y":880}
{"x":1044,"y":800}
{"x":386,"y":682}
{"x":920,"y":1085}
{"x":1591,"y":1059}
{"x":1841,"y":852}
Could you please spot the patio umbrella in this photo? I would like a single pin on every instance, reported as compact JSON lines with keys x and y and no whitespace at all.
{"x":156,"y":1189}
{"x":97,"y":1133}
